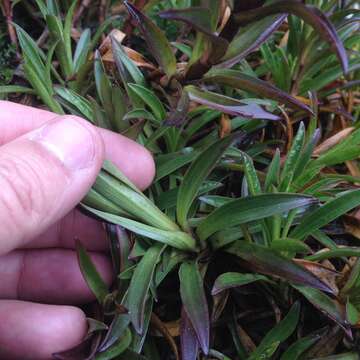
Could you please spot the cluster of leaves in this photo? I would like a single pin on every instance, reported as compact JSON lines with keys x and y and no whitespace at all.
{"x":232,"y":253}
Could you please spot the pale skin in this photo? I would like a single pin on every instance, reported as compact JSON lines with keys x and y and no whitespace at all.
{"x":47,"y":165}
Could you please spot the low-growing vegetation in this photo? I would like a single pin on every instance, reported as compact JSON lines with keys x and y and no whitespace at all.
{"x":246,"y":244}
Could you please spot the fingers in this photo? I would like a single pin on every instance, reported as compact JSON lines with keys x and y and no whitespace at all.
{"x":74,"y":226}
{"x":134,"y":160}
{"x":43,"y":175}
{"x":30,"y":331}
{"x":55,"y":272}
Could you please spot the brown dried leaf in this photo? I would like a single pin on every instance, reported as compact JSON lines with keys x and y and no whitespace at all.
{"x":324,"y":273}
{"x":333,"y":140}
{"x":225,"y":126}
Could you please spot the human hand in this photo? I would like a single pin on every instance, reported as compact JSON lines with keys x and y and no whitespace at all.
{"x":47,"y":165}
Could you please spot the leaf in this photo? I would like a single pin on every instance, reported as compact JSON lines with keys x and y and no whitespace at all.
{"x":200,"y":18}
{"x":140,"y":285}
{"x":325,"y":214}
{"x":324,"y":303}
{"x":249,"y":38}
{"x":290,"y":245}
{"x":125,"y":64}
{"x":151,"y":100}
{"x":278,"y":333}
{"x":195,"y":176}
{"x":273,"y":172}
{"x":177,"y":239}
{"x":239,"y":80}
{"x":251,"y":208}
{"x":117,"y":329}
{"x":227,"y":104}
{"x":194,"y":301}
{"x":188,"y":339}
{"x":8,"y":89}
{"x":309,"y":14}
{"x":232,"y":279}
{"x":90,"y":274}
{"x":116,"y":349}
{"x":158,"y":44}
{"x":82,"y":50}
{"x":352,"y":314}
{"x":270,"y":262}
{"x":299,"y":347}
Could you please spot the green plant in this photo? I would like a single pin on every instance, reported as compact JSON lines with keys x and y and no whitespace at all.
{"x":224,"y":222}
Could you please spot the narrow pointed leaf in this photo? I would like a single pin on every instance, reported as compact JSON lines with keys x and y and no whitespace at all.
{"x":249,"y":39}
{"x":325,"y":214}
{"x":155,"y":39}
{"x":299,"y":347}
{"x":270,"y":262}
{"x":251,"y":208}
{"x":177,"y":239}
{"x":116,"y":349}
{"x":227,"y":104}
{"x":195,"y":176}
{"x":231,"y":280}
{"x":239,"y":80}
{"x":194,"y":301}
{"x":91,"y":275}
{"x":279,"y":333}
{"x":310,"y":14}
{"x":140,"y":285}
{"x":324,"y":303}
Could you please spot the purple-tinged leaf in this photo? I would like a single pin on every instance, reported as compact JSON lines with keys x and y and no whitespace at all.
{"x":227,"y":104}
{"x":239,"y":80}
{"x":332,"y":308}
{"x":309,"y":14}
{"x":179,"y":115}
{"x":188,"y":340}
{"x":231,"y":280}
{"x":194,"y":301}
{"x":155,"y":39}
{"x":200,"y":19}
{"x":249,"y":39}
{"x":266,"y":261}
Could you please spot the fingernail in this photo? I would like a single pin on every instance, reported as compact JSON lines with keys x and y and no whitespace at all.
{"x":70,"y":141}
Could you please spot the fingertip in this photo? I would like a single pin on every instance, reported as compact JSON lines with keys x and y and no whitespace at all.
{"x":131,"y":158}
{"x":35,"y":331}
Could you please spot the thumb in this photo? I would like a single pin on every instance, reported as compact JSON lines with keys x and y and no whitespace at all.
{"x":43,"y":175}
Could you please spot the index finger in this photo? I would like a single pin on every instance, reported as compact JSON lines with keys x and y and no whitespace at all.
{"x":132,"y":159}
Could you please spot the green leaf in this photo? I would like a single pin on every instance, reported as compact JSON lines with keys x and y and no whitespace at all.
{"x":140,"y":285}
{"x":90,"y":274}
{"x":325,"y":214}
{"x":352,"y":314}
{"x":239,"y":80}
{"x":310,"y":14}
{"x":249,"y":38}
{"x":194,"y":301}
{"x":278,"y":333}
{"x":117,"y":328}
{"x":177,"y":239}
{"x":299,"y":347}
{"x":324,"y":303}
{"x":232,"y":279}
{"x":290,"y":245}
{"x":125,"y":64}
{"x":292,"y":159}
{"x":252,"y":179}
{"x":9,"y":89}
{"x":116,"y":349}
{"x":156,"y":40}
{"x":270,"y":262}
{"x":251,"y":208}
{"x":82,"y":50}
{"x":151,"y":100}
{"x":273,"y":172}
{"x":195,"y":176}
